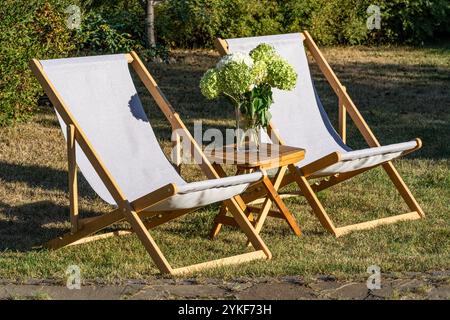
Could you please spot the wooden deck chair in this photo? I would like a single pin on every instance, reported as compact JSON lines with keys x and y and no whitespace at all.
{"x":110,"y":139}
{"x":300,"y":120}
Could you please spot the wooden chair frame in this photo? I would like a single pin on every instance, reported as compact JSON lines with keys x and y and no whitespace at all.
{"x":134,"y":212}
{"x":301,"y":175}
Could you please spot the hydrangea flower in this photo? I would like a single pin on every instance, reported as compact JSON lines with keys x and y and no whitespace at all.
{"x":281,"y":74}
{"x":259,"y":72}
{"x":264,"y":52}
{"x":209,"y":84}
{"x":238,"y":57}
{"x":236,"y":77}
{"x":247,"y":80}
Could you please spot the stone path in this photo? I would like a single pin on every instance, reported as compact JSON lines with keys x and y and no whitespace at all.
{"x":432,"y":285}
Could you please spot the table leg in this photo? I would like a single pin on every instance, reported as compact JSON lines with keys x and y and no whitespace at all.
{"x":273,"y":194}
{"x":217,"y":225}
{"x":223,"y":209}
{"x":268,"y":201}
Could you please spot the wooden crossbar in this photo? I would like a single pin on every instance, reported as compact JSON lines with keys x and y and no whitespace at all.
{"x":340,"y":231}
{"x":242,"y":258}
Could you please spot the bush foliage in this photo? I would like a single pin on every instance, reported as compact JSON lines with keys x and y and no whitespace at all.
{"x":32,"y":29}
{"x":195,"y":23}
{"x":37,"y":29}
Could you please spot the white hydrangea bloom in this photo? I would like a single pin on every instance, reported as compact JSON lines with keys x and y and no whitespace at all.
{"x":239,"y":57}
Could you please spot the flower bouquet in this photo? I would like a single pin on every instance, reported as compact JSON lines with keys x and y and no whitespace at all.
{"x":247,"y":81}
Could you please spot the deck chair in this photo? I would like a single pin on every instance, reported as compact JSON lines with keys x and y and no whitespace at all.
{"x":299,"y":120}
{"x":110,"y":139}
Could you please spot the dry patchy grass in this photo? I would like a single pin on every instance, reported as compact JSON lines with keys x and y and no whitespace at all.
{"x":402,"y":93}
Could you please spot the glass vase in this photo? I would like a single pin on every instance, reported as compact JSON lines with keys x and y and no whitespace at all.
{"x":248,"y":136}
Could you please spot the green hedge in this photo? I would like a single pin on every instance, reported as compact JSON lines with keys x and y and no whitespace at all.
{"x":31,"y":29}
{"x":37,"y":29}
{"x":195,"y":23}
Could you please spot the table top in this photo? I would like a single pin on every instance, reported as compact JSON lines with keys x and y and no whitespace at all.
{"x":268,"y":156}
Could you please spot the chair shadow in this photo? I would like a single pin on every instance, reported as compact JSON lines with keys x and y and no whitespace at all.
{"x":46,"y":178}
{"x":30,"y":225}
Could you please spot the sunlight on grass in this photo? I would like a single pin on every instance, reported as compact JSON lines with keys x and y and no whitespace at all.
{"x":402,"y":93}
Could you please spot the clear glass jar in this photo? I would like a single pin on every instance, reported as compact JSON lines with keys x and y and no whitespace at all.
{"x":248,"y":136}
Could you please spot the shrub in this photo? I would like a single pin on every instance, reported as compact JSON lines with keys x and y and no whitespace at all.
{"x":414,"y":21}
{"x":97,"y":35}
{"x":37,"y":29}
{"x":107,"y":28}
{"x":194,"y":23}
{"x":33,"y":29}
{"x":124,"y":16}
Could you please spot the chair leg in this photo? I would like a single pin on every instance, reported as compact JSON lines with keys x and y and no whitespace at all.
{"x":325,"y":220}
{"x":402,"y":188}
{"x":312,"y":199}
{"x":95,"y":225}
{"x":73,"y":184}
{"x":246,"y":226}
{"x":267,"y":204}
{"x":223,"y":209}
{"x":217,"y":224}
{"x":155,"y":253}
{"x":147,"y":240}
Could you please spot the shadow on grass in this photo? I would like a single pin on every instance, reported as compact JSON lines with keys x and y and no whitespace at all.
{"x":23,"y":229}
{"x":43,"y":177}
{"x":27,"y":227}
{"x":400,"y":102}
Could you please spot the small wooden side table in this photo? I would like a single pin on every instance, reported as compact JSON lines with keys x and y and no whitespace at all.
{"x":269,"y":156}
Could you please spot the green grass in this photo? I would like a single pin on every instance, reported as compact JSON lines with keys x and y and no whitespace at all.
{"x":402,"y":92}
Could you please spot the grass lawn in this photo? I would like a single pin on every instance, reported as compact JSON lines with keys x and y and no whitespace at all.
{"x":402,"y":92}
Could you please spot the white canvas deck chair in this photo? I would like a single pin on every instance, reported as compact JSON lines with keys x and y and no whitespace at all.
{"x":112,"y":142}
{"x":299,"y":120}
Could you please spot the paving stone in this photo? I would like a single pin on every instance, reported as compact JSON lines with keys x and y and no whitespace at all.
{"x":324,"y":285}
{"x":347,"y":291}
{"x":411,"y":285}
{"x":440,"y":293}
{"x":430,"y":285}
{"x":60,"y":292}
{"x":386,"y":292}
{"x":326,"y":277}
{"x":440,"y":273}
{"x":293,"y":279}
{"x":180,"y":291}
{"x":285,"y":291}
{"x":237,"y":286}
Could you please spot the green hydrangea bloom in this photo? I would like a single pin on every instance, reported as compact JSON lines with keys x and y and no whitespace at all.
{"x":235,"y":78}
{"x":281,"y":74}
{"x":209,"y":84}
{"x":259,"y":72}
{"x":263,"y":52}
{"x":247,"y":79}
